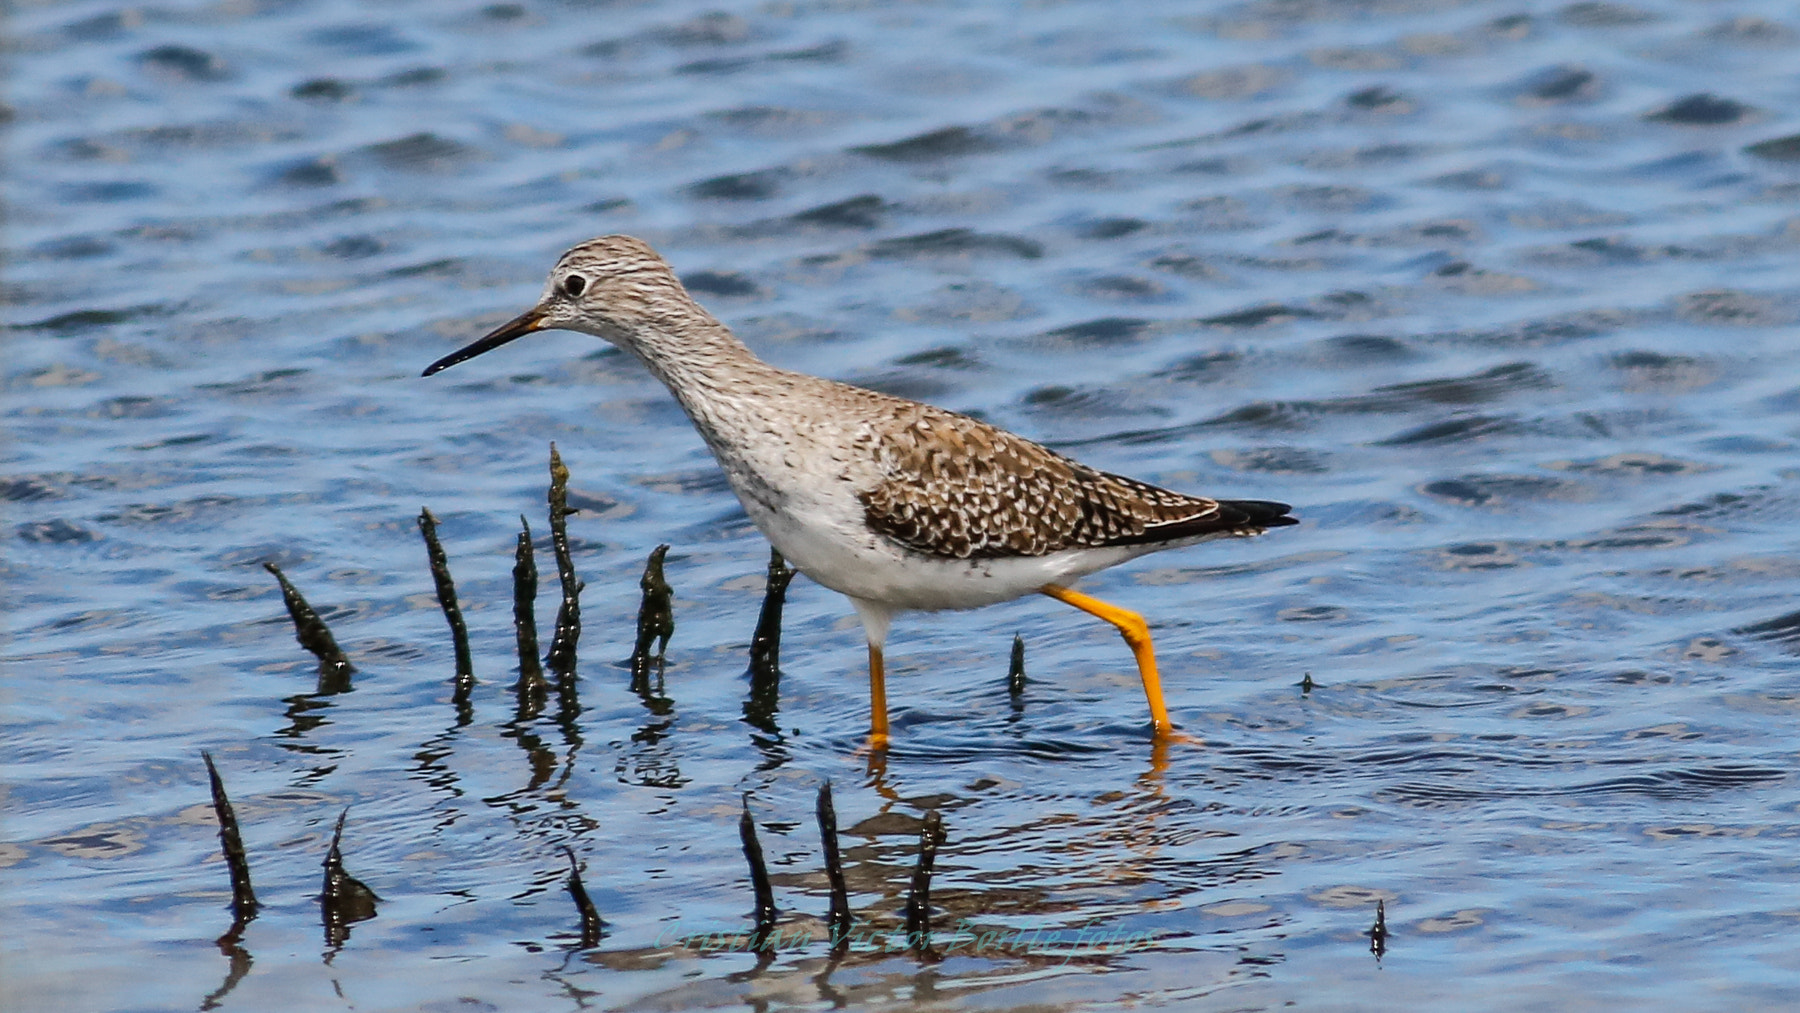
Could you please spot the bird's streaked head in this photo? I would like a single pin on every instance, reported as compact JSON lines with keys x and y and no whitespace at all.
{"x":613,"y":287}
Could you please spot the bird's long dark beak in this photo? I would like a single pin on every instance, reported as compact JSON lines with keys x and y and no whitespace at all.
{"x":517,"y":327}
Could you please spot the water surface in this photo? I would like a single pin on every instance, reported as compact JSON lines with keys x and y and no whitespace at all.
{"x":1500,"y":295}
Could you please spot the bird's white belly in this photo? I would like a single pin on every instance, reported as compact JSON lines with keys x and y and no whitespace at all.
{"x":843,"y":554}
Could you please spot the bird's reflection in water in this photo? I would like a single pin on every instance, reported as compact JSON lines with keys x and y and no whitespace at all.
{"x":1119,"y":843}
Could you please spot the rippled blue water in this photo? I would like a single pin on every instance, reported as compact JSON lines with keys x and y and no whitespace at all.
{"x":1500,"y":295}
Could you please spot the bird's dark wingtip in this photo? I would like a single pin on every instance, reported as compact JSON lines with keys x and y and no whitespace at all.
{"x":1259,"y":513}
{"x":1233,"y":517}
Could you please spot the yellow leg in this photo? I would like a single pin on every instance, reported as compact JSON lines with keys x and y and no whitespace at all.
{"x":1137,"y":634}
{"x":878,"y":722}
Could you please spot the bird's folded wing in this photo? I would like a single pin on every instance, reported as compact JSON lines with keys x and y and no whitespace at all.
{"x":956,"y":487}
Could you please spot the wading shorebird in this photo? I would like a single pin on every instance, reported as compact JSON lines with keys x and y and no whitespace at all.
{"x":894,"y":504}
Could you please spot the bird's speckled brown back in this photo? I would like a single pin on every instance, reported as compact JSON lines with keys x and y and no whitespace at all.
{"x":957,"y":487}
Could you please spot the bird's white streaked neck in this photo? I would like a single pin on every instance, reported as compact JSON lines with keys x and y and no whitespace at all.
{"x":691,"y":352}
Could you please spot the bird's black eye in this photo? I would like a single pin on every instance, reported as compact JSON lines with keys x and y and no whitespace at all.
{"x":573,"y":285}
